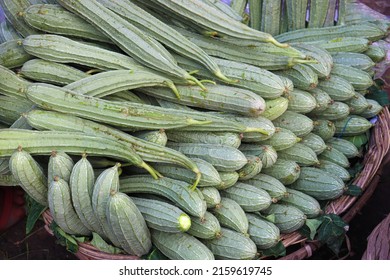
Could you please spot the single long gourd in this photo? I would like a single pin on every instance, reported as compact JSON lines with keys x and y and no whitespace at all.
{"x":44,"y":142}
{"x":49,"y":120}
{"x":110,"y":82}
{"x":218,"y":98}
{"x":131,"y":116}
{"x":52,"y":47}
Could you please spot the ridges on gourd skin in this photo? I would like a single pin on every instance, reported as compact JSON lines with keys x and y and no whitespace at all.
{"x":44,"y":142}
{"x":356,"y":125}
{"x":270,"y":184}
{"x":315,"y":142}
{"x":317,"y":15}
{"x":230,"y":11}
{"x":211,"y":195}
{"x":359,"y":79}
{"x":50,"y":47}
{"x":288,"y":218}
{"x":232,"y":245}
{"x":362,"y":30}
{"x":251,"y":169}
{"x":223,"y":158}
{"x":161,"y":215}
{"x":130,"y":115}
{"x":272,"y":58}
{"x":127,"y":224}
{"x":338,"y":88}
{"x":61,"y":165}
{"x":307,"y":204}
{"x":13,"y":11}
{"x":374,"y":108}
{"x":62,"y":210}
{"x":329,"y":187}
{"x":29,"y":174}
{"x":191,"y":201}
{"x":55,"y":19}
{"x":231,"y":215}
{"x":335,"y":169}
{"x":285,"y":171}
{"x":45,"y":120}
{"x":164,"y":34}
{"x":210,"y":18}
{"x":146,"y":50}
{"x":249,"y":197}
{"x":207,"y":227}
{"x":106,"y":184}
{"x":218,"y":97}
{"x":13,"y":55}
{"x":263,"y":233}
{"x":256,"y":79}
{"x":110,"y":82}
{"x":210,"y":176}
{"x":11,"y":84}
{"x":41,"y":70}
{"x":81,"y":182}
{"x":343,"y":44}
{"x":357,"y":60}
{"x":176,"y":246}
{"x":8,"y":32}
{"x":11,"y":108}
{"x":221,"y":138}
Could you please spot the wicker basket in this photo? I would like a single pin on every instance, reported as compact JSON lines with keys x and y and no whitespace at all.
{"x":347,"y":206}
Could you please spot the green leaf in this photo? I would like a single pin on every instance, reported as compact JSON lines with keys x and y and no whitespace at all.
{"x":378,"y":84}
{"x":155,"y":254}
{"x":102,"y":245}
{"x":64,"y":239}
{"x":356,"y":169}
{"x":358,"y":140}
{"x":270,"y":218}
{"x":354,"y":190}
{"x":34,"y":211}
{"x":80,"y":239}
{"x":311,"y":226}
{"x":337,"y":220}
{"x":332,"y":232}
{"x":276,"y":251}
{"x":335,"y":245}
{"x":381,"y":96}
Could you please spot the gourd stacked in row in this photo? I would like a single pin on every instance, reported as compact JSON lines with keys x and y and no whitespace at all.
{"x":218,"y":136}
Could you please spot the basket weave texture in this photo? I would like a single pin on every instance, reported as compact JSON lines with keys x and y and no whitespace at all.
{"x":345,"y":206}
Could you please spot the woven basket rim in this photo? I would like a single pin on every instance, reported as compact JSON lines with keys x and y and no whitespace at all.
{"x":378,"y":147}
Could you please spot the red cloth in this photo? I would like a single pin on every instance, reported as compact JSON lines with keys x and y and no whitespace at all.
{"x":12,"y":208}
